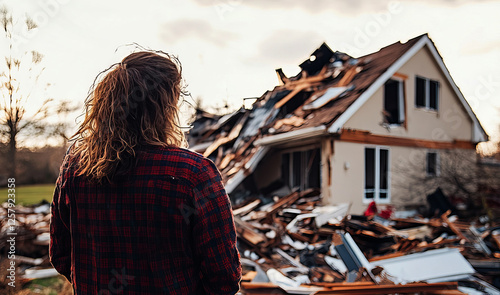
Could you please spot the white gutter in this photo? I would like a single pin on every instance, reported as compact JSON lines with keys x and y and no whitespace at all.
{"x":300,"y":134}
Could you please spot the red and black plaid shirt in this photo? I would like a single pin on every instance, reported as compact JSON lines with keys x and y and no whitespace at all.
{"x":164,"y":228}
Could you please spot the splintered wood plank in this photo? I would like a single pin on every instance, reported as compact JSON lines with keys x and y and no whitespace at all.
{"x":496,"y":237}
{"x":247,"y":208}
{"x":247,"y":233}
{"x":450,"y":224}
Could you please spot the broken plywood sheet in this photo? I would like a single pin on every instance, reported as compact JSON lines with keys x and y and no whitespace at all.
{"x":330,"y":94}
{"x":247,"y":208}
{"x":439,"y":265}
{"x":235,"y":132}
{"x":327,"y":213}
{"x":293,"y":121}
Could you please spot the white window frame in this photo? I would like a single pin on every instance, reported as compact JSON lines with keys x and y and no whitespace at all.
{"x":428,"y":94}
{"x":438,"y":164}
{"x":401,"y":101}
{"x":376,"y":191}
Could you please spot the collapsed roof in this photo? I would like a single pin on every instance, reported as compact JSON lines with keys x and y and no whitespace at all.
{"x":317,"y":101}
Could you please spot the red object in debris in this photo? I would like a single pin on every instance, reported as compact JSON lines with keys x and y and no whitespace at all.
{"x":371,"y":210}
{"x":386,"y":213}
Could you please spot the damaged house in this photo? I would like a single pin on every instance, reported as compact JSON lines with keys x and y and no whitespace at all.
{"x":344,"y":125}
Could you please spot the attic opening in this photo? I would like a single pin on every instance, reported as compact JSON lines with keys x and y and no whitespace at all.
{"x":394,"y":106}
{"x":294,"y":103}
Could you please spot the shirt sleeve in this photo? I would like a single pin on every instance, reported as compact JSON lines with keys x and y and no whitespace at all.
{"x":60,"y":237}
{"x":215,"y":234}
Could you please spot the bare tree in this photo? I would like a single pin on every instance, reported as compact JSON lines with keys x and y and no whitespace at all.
{"x":18,"y":78}
{"x":457,"y":172}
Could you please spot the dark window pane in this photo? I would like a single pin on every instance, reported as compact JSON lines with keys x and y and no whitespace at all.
{"x":384,"y":167}
{"x":434,"y":95}
{"x":383,"y":195}
{"x":369,"y":195}
{"x":431,"y":163}
{"x":313,"y":174}
{"x":297,"y":169}
{"x":285,"y":169}
{"x":391,"y":102}
{"x":420,"y":92}
{"x":369,"y":168}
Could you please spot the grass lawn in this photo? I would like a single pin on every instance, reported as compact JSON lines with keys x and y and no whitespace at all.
{"x":30,"y":194}
{"x":49,"y":286}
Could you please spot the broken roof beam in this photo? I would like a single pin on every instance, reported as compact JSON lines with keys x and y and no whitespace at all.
{"x":290,"y":95}
{"x":247,"y":233}
{"x":329,"y":95}
{"x":348,"y":76}
{"x":318,"y":59}
{"x":450,"y":224}
{"x":283,"y":79}
{"x":247,"y":208}
{"x":322,"y":75}
{"x":290,"y":199}
{"x":235,"y":132}
{"x":294,"y":121}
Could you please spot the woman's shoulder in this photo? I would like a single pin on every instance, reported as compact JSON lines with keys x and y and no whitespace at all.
{"x":175,"y":154}
{"x":189,"y":164}
{"x":170,"y":151}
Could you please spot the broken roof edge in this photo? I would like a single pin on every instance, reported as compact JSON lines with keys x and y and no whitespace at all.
{"x":299,"y":134}
{"x":233,"y":182}
{"x":478,"y":132}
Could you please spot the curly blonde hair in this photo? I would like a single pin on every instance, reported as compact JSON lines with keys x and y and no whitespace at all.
{"x":134,"y":104}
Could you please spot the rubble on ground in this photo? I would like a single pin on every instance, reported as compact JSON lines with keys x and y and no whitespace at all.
{"x":295,"y":245}
{"x":32,"y":239}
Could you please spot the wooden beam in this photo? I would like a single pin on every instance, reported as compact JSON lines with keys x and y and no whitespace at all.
{"x":450,"y":224}
{"x":400,"y":76}
{"x":290,"y":95}
{"x":367,"y":137}
{"x":348,"y":76}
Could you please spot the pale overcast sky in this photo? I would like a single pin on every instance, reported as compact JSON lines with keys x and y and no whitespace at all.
{"x":229,"y":49}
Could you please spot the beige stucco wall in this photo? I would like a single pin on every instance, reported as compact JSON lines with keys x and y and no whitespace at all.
{"x":411,"y":185}
{"x":448,"y":123}
{"x":407,"y":172}
{"x":347,"y":184}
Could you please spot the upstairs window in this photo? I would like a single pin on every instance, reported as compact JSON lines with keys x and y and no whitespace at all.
{"x":427,"y":93}
{"x":394,"y":102}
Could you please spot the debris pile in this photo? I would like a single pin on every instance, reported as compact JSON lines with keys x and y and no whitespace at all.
{"x":295,"y":245}
{"x":30,"y":231}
